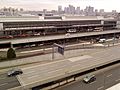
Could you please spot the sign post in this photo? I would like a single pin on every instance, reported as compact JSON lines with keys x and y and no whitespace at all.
{"x":60,"y":49}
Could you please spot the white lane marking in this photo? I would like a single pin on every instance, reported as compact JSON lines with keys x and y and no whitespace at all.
{"x":117,"y":80}
{"x":93,"y":82}
{"x":31,"y":51}
{"x":33,"y":76}
{"x":47,"y":73}
{"x":3,"y":84}
{"x":40,"y":65}
{"x":100,"y":88}
{"x":35,"y":50}
{"x":30,"y":72}
{"x":79,"y":58}
{"x":109,"y":75}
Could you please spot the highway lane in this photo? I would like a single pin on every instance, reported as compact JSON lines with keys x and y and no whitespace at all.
{"x":8,"y":82}
{"x":103,"y":81}
{"x":40,"y":74}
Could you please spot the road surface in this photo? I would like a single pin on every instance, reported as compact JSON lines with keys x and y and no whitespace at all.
{"x":103,"y":81}
{"x":40,"y":74}
{"x":8,"y":82}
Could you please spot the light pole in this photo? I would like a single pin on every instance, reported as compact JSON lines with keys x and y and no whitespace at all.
{"x":53,"y":52}
{"x":114,"y":39}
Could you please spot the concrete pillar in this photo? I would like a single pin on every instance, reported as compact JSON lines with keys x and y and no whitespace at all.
{"x":11,"y":45}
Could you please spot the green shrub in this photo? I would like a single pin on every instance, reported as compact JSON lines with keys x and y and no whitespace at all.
{"x":11,"y":53}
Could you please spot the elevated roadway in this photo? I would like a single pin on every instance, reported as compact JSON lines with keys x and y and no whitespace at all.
{"x":41,"y":74}
{"x":56,"y":37}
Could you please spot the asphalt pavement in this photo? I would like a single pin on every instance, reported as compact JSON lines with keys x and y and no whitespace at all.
{"x":103,"y":81}
{"x":8,"y":82}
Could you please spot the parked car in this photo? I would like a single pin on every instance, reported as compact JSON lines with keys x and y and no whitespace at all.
{"x":103,"y":40}
{"x":14,"y":72}
{"x":9,"y":36}
{"x":71,"y":30}
{"x":89,"y":79}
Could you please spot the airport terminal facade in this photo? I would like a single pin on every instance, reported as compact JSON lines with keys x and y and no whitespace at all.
{"x":52,"y":25}
{"x":34,"y":26}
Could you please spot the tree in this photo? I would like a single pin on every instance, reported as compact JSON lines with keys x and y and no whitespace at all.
{"x":11,"y":53}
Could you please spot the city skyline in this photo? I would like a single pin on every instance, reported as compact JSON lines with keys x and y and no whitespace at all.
{"x":107,"y":5}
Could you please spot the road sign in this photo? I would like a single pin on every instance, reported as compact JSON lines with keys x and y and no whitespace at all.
{"x":60,"y":48}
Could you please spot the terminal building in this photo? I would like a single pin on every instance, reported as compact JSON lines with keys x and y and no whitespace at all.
{"x":37,"y":26}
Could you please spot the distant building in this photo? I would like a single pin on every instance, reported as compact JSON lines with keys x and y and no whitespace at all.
{"x":89,"y":11}
{"x":71,"y":9}
{"x":9,"y":11}
{"x":78,"y":10}
{"x":101,"y":11}
{"x":44,"y":11}
{"x":60,"y":10}
{"x":66,"y":10}
{"x":96,"y":12}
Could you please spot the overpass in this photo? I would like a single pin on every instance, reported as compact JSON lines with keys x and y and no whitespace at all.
{"x":50,"y":72}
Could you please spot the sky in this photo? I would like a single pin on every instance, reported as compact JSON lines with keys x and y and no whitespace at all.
{"x":108,"y":5}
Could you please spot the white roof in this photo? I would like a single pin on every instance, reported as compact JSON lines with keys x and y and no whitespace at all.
{"x":41,"y":18}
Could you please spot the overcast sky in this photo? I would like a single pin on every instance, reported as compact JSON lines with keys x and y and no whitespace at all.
{"x":108,"y":5}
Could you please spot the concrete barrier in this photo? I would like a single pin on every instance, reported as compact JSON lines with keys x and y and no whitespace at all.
{"x":70,"y":80}
{"x":18,"y":88}
{"x":63,"y":82}
{"x":55,"y":85}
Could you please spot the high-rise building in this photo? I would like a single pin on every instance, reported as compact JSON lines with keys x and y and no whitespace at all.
{"x":96,"y":12}
{"x":71,"y":9}
{"x":9,"y":11}
{"x":77,"y":10}
{"x":101,"y":11}
{"x":60,"y":10}
{"x":44,"y":11}
{"x":114,"y":11}
{"x":89,"y":11}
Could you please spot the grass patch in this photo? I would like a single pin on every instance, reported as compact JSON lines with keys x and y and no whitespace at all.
{"x":3,"y":54}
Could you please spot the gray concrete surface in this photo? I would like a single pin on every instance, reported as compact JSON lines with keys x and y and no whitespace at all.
{"x":48,"y":57}
{"x":103,"y":81}
{"x":8,"y":82}
{"x":36,"y":75}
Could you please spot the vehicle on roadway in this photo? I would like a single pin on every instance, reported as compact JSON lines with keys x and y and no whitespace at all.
{"x":71,"y":31}
{"x":14,"y":72}
{"x":89,"y":79}
{"x":102,"y":40}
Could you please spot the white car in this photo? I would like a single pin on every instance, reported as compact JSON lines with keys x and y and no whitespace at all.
{"x":71,"y":30}
{"x":89,"y":79}
{"x":67,"y":34}
{"x":103,"y":40}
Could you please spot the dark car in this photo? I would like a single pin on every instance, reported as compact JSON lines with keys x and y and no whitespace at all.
{"x":14,"y":72}
{"x":89,"y":79}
